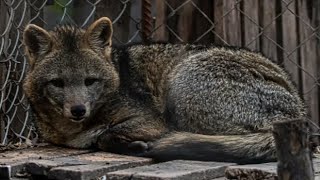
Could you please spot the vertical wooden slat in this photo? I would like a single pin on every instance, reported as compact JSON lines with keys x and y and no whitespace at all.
{"x":219,"y":38}
{"x":135,"y":14}
{"x":202,"y":24}
{"x":232,"y":22}
{"x":191,"y":23}
{"x":309,"y":59}
{"x":227,"y":22}
{"x":185,"y":22}
{"x":112,"y":9}
{"x":179,"y":20}
{"x":290,"y":40}
{"x":268,"y":23}
{"x":251,"y":24}
{"x":172,"y":20}
{"x":161,"y":34}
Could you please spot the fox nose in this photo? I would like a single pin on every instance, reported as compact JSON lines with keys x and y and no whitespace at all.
{"x":78,"y":110}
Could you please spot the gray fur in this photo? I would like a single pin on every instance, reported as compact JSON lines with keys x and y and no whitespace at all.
{"x":184,"y":101}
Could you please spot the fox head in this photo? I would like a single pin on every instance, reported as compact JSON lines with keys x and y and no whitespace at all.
{"x":71,"y":70}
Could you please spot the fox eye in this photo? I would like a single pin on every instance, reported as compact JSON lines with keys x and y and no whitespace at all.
{"x":57,"y":83}
{"x":90,"y":81}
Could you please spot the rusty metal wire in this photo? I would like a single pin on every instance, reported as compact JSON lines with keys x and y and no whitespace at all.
{"x":222,"y":22}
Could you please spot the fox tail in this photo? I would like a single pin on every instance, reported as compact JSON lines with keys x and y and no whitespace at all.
{"x":242,"y":149}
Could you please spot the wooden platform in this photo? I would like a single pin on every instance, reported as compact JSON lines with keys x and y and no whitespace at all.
{"x":50,"y":162}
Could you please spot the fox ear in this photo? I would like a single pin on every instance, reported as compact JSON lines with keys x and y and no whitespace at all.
{"x":36,"y":40}
{"x":99,"y":33}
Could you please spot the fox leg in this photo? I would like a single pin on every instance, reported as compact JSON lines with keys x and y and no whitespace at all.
{"x":130,"y":136}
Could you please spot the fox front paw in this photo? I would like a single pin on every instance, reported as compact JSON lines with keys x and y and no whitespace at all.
{"x":139,"y":147}
{"x":112,"y":143}
{"x":120,"y":144}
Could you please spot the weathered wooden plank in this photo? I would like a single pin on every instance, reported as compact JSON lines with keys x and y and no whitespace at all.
{"x":290,"y":40}
{"x":84,"y":166}
{"x":261,"y":171}
{"x":268,"y":23}
{"x":232,"y":22}
{"x":90,"y":171}
{"x":45,"y":152}
{"x":177,"y":169}
{"x":9,"y":170}
{"x":11,"y":162}
{"x":293,"y":153}
{"x":251,"y":24}
{"x":66,"y":163}
{"x":161,"y":33}
{"x":253,"y":171}
{"x":308,"y":56}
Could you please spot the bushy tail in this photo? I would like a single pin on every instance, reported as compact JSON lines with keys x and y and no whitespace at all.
{"x":251,"y":148}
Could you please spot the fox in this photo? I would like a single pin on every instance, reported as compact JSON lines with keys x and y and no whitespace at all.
{"x":163,"y":101}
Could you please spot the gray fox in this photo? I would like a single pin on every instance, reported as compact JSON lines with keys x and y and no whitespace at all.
{"x":164,"y":101}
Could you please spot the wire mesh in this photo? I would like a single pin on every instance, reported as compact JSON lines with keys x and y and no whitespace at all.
{"x":286,"y":31}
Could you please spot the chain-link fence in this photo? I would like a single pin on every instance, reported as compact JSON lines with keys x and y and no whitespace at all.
{"x":287,"y":31}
